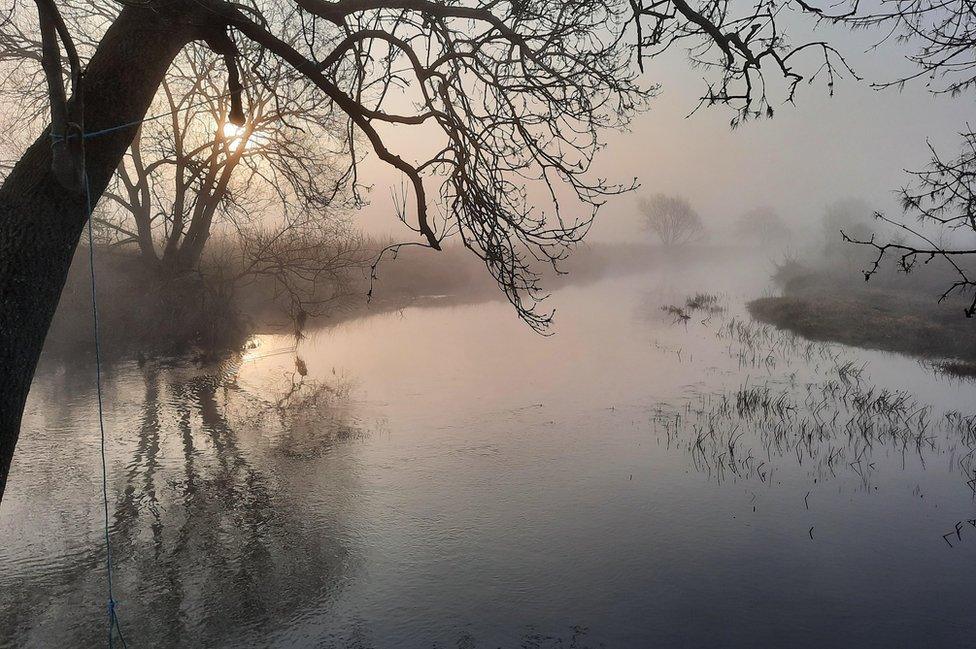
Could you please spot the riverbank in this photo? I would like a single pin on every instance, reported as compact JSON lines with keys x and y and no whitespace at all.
{"x":144,"y":314}
{"x":896,"y":314}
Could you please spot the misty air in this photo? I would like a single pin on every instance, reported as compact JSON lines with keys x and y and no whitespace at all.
{"x":529,"y":324}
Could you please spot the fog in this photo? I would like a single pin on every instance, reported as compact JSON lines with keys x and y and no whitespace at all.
{"x":267,"y":402}
{"x":822,"y":148}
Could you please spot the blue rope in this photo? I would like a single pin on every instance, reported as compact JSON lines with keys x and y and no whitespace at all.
{"x":114,"y":625}
{"x":112,"y":129}
{"x":113,"y":618}
{"x":151,"y":118}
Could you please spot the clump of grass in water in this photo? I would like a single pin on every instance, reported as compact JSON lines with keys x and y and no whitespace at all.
{"x":677,"y":313}
{"x":704,"y":302}
{"x":962,"y":425}
{"x":764,"y":346}
{"x":834,"y":423}
{"x":751,"y":401}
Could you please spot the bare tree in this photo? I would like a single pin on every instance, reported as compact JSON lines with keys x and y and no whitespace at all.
{"x":514,"y":92}
{"x":271,"y":188}
{"x":762,"y":226}
{"x":672,"y":219}
{"x":307,"y":260}
{"x":508,"y":94}
{"x":852,"y":216}
{"x":939,"y":196}
{"x":188,"y":174}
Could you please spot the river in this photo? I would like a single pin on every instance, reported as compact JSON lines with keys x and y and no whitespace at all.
{"x":441,"y":476}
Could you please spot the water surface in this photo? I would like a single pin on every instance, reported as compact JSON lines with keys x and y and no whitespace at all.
{"x":443,"y":477}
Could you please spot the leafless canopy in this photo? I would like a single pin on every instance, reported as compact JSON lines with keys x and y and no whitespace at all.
{"x":510,"y":96}
{"x":672,"y":219}
{"x":194,"y":171}
{"x":940,"y":196}
{"x":738,"y":44}
{"x":943,"y":195}
{"x":943,"y":36}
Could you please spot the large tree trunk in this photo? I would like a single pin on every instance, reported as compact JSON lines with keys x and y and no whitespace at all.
{"x":40,"y":221}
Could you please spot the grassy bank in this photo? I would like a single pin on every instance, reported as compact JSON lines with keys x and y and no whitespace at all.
{"x":897,"y":314}
{"x":144,"y":313}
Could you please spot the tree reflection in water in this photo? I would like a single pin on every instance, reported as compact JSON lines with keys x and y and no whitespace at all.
{"x":210,"y":546}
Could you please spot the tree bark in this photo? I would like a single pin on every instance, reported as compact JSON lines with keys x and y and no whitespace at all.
{"x":140,"y":198}
{"x":197,"y":235}
{"x":41,"y":222}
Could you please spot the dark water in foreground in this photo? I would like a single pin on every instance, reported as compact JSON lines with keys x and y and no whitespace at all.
{"x":443,"y":477}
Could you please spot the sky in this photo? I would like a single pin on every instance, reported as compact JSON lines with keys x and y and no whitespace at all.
{"x":854,"y":144}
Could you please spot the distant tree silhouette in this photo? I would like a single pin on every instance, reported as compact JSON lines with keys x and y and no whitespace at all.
{"x":672,"y":219}
{"x":847,"y":216}
{"x":850,"y":215}
{"x":763,"y":226}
